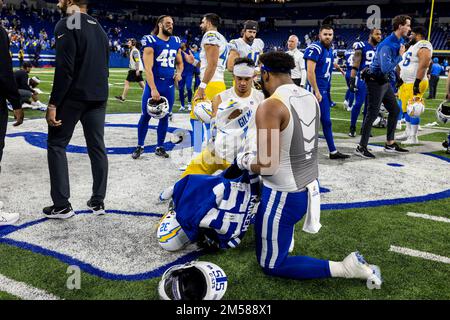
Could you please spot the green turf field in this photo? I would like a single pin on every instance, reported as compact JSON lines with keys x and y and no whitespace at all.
{"x":371,"y":230}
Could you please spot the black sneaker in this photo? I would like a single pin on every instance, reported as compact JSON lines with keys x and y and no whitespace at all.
{"x":137,"y":152}
{"x":120,"y":98}
{"x":352,"y":132}
{"x":445,"y":144}
{"x":53,"y":212}
{"x":97,"y":207}
{"x":161,"y":152}
{"x":363,"y":152}
{"x":338,"y":156}
{"x":394,"y":148}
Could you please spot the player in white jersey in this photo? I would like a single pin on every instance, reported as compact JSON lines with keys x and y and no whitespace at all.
{"x":413,"y":73}
{"x":298,"y":74}
{"x":248,"y":46}
{"x":135,"y":72}
{"x":288,"y":124}
{"x":234,"y":127}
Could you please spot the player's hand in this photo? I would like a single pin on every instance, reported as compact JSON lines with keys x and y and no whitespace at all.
{"x":352,"y":85}
{"x":402,"y":50}
{"x":189,"y":57}
{"x":138,"y":73}
{"x":177,"y":77}
{"x":19,"y":115}
{"x":51,"y":116}
{"x":155,"y":94}
{"x":318,"y":96}
{"x":200,"y":94}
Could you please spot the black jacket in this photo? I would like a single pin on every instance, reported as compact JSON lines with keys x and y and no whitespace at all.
{"x":21,"y":77}
{"x":82,"y":60}
{"x":8,"y":87}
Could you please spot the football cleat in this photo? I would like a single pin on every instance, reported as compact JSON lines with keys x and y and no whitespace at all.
{"x":120,"y":98}
{"x":7,"y":219}
{"x":53,"y":212}
{"x":356,"y":267}
{"x":161,"y":152}
{"x":411,"y":140}
{"x":352,"y":132}
{"x":137,"y":152}
{"x":97,"y":207}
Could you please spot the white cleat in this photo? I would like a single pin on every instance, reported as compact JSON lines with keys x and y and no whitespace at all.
{"x":420,"y":128}
{"x":357,"y":268}
{"x":189,"y":107}
{"x":403,"y":136}
{"x":411,"y":140}
{"x":7,"y":219}
{"x":399,"y":125}
{"x":166,"y":194}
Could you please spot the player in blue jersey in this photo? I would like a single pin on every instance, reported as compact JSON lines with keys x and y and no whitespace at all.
{"x":196,"y":54}
{"x":349,"y":96}
{"x":163,"y":65}
{"x":186,"y":79}
{"x":362,"y":58}
{"x":213,"y":211}
{"x":319,"y":66}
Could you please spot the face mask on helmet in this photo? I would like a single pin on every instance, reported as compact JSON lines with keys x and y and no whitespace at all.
{"x":443,"y":112}
{"x":171,"y":236}
{"x":196,"y":280}
{"x":203,"y":110}
{"x":415,"y":107}
{"x":158,"y":109}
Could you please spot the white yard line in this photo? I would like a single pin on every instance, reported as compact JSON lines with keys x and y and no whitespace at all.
{"x":428,"y":217}
{"x":419,"y":254}
{"x":23,"y":290}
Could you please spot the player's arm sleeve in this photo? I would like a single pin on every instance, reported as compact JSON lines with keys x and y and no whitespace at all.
{"x":312,"y":53}
{"x":387,"y":60}
{"x":64,"y":63}
{"x":211,"y":38}
{"x":8,"y":86}
{"x":136,"y":56}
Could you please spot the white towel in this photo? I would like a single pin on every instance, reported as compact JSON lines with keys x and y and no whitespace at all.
{"x":312,"y":220}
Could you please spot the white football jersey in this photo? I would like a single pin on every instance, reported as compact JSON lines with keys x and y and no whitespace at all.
{"x":410,"y":61}
{"x":216,"y":39}
{"x":245,"y":50}
{"x":135,"y":56}
{"x":299,"y":72}
{"x":228,"y":149}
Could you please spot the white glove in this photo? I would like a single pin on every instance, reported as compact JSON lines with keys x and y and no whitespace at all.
{"x":244,"y":160}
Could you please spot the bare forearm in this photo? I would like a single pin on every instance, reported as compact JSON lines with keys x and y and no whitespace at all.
{"x":209,"y":73}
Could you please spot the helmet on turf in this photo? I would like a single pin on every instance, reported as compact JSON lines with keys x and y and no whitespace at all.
{"x":443,"y":112}
{"x":158,"y":109}
{"x":197,"y":280}
{"x":415,"y":107}
{"x":171,"y":236}
{"x":203,"y":110}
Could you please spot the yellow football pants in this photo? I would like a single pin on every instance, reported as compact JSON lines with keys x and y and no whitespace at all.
{"x":205,"y":163}
{"x":405,"y":92}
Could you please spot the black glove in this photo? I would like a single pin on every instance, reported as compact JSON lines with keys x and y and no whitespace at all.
{"x":398,"y":83}
{"x":416,"y":89}
{"x":352,"y":85}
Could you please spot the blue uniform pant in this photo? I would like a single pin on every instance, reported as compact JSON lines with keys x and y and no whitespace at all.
{"x":349,"y":96}
{"x":166,"y":89}
{"x":361,"y":96}
{"x":325,"y":119}
{"x":186,"y":81}
{"x":277,"y":215}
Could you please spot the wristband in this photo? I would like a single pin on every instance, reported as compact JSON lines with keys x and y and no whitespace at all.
{"x":417,"y":82}
{"x":355,"y":68}
{"x":195,"y":62}
{"x":203,"y":85}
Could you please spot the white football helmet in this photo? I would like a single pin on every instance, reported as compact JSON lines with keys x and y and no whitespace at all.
{"x":232,"y":122}
{"x":158,"y":109}
{"x":415,"y":107}
{"x":443,"y":112}
{"x":197,"y":280}
{"x":203,"y":111}
{"x":171,"y":236}
{"x":383,"y":110}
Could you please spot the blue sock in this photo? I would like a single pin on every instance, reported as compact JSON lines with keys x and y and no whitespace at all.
{"x":162,"y":130}
{"x":197,"y":135}
{"x":143,"y":128}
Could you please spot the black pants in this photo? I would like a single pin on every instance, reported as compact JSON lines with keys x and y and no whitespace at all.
{"x":92,"y":117}
{"x":433,"y":86}
{"x":3,"y":125}
{"x":376,"y":94}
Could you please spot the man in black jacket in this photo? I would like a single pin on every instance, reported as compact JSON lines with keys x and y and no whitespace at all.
{"x":80,"y":93}
{"x":8,"y":91}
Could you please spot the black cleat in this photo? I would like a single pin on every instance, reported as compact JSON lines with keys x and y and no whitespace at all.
{"x":352,"y":132}
{"x":120,"y":98}
{"x":339,"y":156}
{"x":53,"y":212}
{"x":394,"y":148}
{"x":363,"y":152}
{"x":97,"y":207}
{"x":161,"y":152}
{"x":137,"y":152}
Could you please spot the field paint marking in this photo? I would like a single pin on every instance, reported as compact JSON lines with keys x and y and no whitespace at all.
{"x":23,"y":290}
{"x":419,"y":254}
{"x":427,"y":216}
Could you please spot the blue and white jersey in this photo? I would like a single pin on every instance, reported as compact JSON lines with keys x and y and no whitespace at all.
{"x":368,"y":53}
{"x":165,"y":53}
{"x":348,"y":56}
{"x":225,"y":205}
{"x":324,"y":63}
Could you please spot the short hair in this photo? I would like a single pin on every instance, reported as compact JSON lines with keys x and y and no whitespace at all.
{"x":81,"y":2}
{"x":249,"y":62}
{"x":27,"y":65}
{"x":277,"y":62}
{"x":399,"y":21}
{"x":213,"y":18}
{"x":420,"y":30}
{"x":373,"y":30}
{"x":326,"y":27}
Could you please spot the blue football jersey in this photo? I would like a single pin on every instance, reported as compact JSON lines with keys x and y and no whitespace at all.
{"x":368,"y":53}
{"x":324,"y":63}
{"x":188,"y":68}
{"x":165,"y":53}
{"x":348,"y":56}
{"x":224,"y":205}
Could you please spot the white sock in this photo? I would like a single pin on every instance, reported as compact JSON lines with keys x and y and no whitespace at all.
{"x":337,"y":269}
{"x":414,"y":129}
{"x":408,"y":128}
